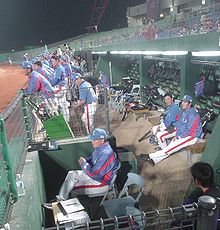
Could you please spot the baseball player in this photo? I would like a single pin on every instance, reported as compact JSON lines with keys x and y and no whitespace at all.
{"x":188,"y":130}
{"x":87,"y":98}
{"x":170,"y":116}
{"x":96,"y":171}
{"x":59,"y":82}
{"x":37,"y":66}
{"x":39,"y":84}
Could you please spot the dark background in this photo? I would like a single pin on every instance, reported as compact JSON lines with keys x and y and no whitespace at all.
{"x":39,"y":22}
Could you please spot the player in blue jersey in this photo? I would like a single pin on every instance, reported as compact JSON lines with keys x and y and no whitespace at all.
{"x":59,"y":83}
{"x":188,"y":130}
{"x":37,"y":83}
{"x":162,"y":131}
{"x":96,"y":171}
{"x":87,"y":99}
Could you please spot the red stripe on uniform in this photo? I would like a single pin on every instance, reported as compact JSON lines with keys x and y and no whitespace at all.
{"x":194,"y":127}
{"x":90,"y":186}
{"x":87,"y":117}
{"x":191,"y":138}
{"x":38,"y":84}
{"x":108,"y":162}
{"x":104,"y":183}
{"x":165,"y":134}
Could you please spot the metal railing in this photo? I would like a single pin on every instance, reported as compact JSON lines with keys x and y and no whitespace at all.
{"x":201,"y":216}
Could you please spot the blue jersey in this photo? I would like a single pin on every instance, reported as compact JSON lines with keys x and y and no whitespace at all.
{"x":101,"y":165}
{"x":45,"y":62}
{"x":38,"y":83}
{"x":86,"y":93}
{"x":171,"y":113}
{"x":47,"y":74}
{"x":59,"y":76}
{"x":189,"y":124}
{"x":68,"y":71}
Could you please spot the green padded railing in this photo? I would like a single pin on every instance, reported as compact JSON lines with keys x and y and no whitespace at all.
{"x":13,"y":143}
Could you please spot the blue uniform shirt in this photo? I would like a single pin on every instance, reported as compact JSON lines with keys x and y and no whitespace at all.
{"x":45,"y":62}
{"x":59,"y":76}
{"x":189,"y":124}
{"x":101,"y":165}
{"x":68,"y":71}
{"x":171,"y":113}
{"x":38,"y":83}
{"x":86,"y":93}
{"x":47,"y":74}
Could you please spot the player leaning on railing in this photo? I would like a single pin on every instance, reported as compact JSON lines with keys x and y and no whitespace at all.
{"x":37,"y":83}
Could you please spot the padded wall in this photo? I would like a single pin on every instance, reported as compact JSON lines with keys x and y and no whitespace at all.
{"x":211,"y":154}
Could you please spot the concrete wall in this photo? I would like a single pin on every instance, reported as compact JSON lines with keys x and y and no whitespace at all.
{"x":27,"y":211}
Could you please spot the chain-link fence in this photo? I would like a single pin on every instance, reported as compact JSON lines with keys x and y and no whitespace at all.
{"x":73,"y":113}
{"x":13,"y":143}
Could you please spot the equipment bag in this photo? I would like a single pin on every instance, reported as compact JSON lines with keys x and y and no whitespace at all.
{"x":210,"y":85}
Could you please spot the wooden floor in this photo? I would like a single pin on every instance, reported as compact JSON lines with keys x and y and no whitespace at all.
{"x":166,"y":182}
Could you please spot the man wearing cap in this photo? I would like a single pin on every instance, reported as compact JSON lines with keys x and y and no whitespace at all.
{"x":38,"y":67}
{"x":59,"y":82}
{"x":38,"y":83}
{"x":43,"y":59}
{"x":188,"y":130}
{"x":87,"y":98}
{"x":96,"y":171}
{"x":170,"y":116}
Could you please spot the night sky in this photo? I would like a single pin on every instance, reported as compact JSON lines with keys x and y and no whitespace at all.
{"x":27,"y":22}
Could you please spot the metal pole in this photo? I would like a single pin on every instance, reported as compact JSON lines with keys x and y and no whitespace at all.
{"x":207,"y":213}
{"x":6,"y":156}
{"x":107,"y":123}
{"x":110,"y":72}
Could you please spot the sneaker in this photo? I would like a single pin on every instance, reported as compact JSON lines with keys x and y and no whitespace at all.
{"x":151,"y":162}
{"x":147,"y":158}
{"x":47,"y":206}
{"x":59,"y":198}
{"x":144,"y":157}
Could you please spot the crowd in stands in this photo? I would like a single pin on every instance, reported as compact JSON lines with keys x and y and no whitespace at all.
{"x":170,"y":26}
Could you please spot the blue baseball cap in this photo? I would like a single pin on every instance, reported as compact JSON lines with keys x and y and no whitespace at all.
{"x":77,"y":76}
{"x":98,"y":134}
{"x":35,"y":60}
{"x":26,"y":64}
{"x":187,"y":98}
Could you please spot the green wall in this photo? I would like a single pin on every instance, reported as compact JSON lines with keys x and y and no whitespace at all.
{"x":42,"y":178}
{"x":27,"y":211}
{"x":118,"y":66}
{"x":202,"y":42}
{"x":211,"y":154}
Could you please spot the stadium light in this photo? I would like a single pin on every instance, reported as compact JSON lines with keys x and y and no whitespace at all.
{"x":174,"y":53}
{"x":99,"y":52}
{"x":171,"y":8}
{"x":206,"y":53}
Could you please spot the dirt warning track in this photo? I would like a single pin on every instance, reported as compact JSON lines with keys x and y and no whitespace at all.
{"x":11,"y":80}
